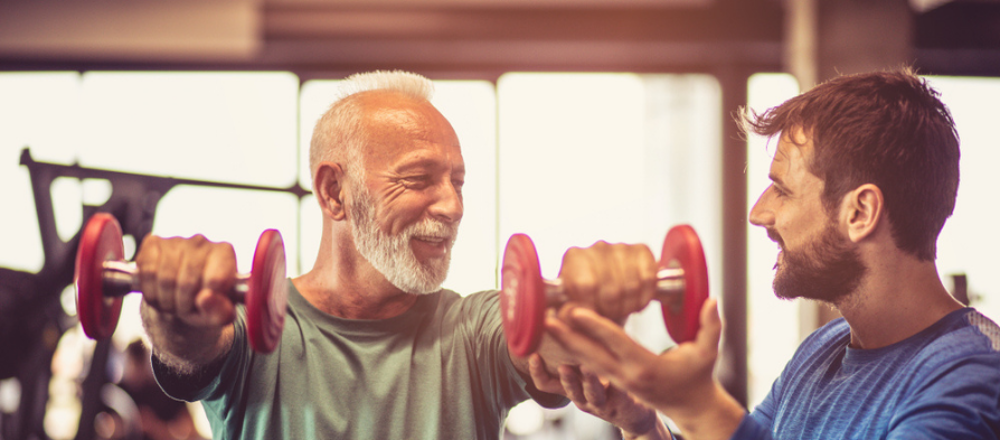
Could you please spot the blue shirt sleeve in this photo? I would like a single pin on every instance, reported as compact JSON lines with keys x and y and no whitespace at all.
{"x":942,"y":383}
{"x":959,"y":401}
{"x":749,"y":429}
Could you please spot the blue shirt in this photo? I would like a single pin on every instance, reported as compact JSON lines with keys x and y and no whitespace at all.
{"x":942,"y":383}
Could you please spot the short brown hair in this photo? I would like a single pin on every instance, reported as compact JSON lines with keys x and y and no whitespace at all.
{"x":889,"y":129}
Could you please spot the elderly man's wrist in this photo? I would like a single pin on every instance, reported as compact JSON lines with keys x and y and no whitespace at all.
{"x":651,"y":429}
{"x":639,"y":429}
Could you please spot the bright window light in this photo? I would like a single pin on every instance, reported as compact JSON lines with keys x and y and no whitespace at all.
{"x":616,"y":157}
{"x":571,"y":152}
{"x":587,"y":157}
{"x":237,"y":127}
{"x":772,"y":324}
{"x":969,"y":241}
{"x":37,"y":110}
{"x":235,"y":216}
{"x":610,"y":156}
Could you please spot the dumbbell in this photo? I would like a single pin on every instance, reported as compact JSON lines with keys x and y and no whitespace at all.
{"x":681,"y":289}
{"x":103,"y":278}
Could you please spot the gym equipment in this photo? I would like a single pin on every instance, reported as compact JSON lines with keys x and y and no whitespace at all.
{"x":103,"y":278}
{"x":681,"y":289}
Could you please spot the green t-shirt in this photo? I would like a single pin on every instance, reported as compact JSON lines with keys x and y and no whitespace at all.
{"x":438,"y":371}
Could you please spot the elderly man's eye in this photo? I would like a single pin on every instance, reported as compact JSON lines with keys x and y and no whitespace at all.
{"x":415,"y":181}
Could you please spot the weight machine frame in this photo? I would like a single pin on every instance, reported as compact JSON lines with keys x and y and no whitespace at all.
{"x":31,"y":316}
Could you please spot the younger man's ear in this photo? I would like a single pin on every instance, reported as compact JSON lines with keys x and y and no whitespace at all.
{"x":863,"y":207}
{"x":328,"y":187}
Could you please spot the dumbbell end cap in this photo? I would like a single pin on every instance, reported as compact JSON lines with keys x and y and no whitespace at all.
{"x":522,"y":296}
{"x":100,"y":241}
{"x":683,"y":246}
{"x":267,"y":296}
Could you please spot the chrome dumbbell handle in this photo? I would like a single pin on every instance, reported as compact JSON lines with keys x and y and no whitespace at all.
{"x":120,"y":278}
{"x":669,"y":288}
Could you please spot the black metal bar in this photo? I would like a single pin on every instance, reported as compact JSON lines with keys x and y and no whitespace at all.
{"x":90,"y":401}
{"x":79,"y":172}
{"x":732,"y":370}
{"x":133,"y":201}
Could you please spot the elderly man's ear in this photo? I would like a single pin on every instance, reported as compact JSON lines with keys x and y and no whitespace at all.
{"x":328,"y":186}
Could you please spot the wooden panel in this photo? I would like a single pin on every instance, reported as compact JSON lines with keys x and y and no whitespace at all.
{"x":123,"y":29}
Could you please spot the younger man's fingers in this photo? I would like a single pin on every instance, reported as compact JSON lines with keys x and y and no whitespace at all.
{"x":600,"y":330}
{"x":711,"y":327}
{"x":581,"y":346}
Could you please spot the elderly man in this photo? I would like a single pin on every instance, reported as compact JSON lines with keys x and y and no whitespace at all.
{"x":864,"y":177}
{"x":372,"y":347}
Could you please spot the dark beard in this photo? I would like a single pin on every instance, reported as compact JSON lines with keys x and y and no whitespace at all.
{"x":828,"y":270}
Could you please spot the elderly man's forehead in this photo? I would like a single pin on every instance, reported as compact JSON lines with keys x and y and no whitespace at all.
{"x":393,"y":108}
{"x":398,"y":116}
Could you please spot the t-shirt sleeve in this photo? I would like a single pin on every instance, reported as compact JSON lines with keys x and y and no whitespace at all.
{"x":763,"y":413}
{"x":492,"y":355}
{"x":757,"y":424}
{"x":750,"y":429}
{"x":214,"y":380}
{"x":958,"y":401}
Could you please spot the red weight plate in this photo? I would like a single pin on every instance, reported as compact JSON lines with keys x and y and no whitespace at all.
{"x":100,"y":241}
{"x":522,"y":296}
{"x":267,"y":296}
{"x":682,"y":244}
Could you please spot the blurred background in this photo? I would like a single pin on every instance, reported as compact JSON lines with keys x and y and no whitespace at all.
{"x":580,"y":120}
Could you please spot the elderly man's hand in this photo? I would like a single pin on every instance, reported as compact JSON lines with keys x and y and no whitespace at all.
{"x":188,"y":279}
{"x":599,"y":398}
{"x":612,"y":279}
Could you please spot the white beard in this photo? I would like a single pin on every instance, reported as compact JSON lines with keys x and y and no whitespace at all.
{"x":392,"y":255}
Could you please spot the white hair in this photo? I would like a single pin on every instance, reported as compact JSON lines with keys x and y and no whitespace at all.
{"x":407,"y":83}
{"x":337,"y":131}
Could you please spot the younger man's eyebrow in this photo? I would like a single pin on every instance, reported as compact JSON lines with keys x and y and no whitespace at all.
{"x":777,"y":181}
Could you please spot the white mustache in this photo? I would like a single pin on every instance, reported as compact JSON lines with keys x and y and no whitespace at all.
{"x":433,"y":230}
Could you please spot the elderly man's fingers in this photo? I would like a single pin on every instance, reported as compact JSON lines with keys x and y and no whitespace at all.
{"x":541,"y":378}
{"x":581,"y":278}
{"x":593,"y":390}
{"x":148,"y":260}
{"x":614,"y":290}
{"x":570,"y":380}
{"x":638,"y":272}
